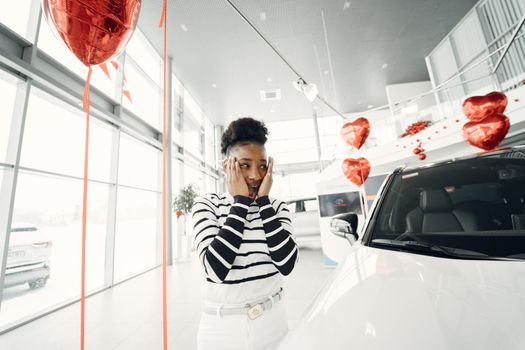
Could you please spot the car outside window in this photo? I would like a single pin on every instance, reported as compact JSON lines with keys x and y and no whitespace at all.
{"x":474,"y":205}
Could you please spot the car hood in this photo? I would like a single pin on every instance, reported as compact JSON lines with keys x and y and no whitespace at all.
{"x":383,"y":299}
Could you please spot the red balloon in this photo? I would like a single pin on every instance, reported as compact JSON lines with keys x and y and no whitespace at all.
{"x":356,"y":170}
{"x":356,"y":132}
{"x":94,"y":30}
{"x":477,"y":108}
{"x":418,"y":150}
{"x":488,"y":133}
{"x":422,"y":156}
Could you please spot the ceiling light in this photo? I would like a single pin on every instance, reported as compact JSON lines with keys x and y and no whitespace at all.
{"x":272,"y":111}
{"x":384,"y":66}
{"x":183,"y":27}
{"x":370,"y":106}
{"x":346,"y":5}
{"x":269,"y":79}
{"x":214,"y":85}
{"x":310,"y":91}
{"x":262,"y":16}
{"x":326,"y":72}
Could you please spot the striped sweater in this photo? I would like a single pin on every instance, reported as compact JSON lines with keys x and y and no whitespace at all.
{"x":244,"y":246}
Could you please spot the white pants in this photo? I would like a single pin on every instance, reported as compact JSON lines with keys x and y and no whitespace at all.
{"x":238,"y":332}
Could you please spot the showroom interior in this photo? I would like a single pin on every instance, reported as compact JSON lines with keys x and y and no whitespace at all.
{"x":114,"y":264}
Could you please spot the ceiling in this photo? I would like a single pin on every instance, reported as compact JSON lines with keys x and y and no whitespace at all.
{"x":351,"y":49}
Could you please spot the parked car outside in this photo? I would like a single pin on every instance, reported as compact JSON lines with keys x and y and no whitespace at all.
{"x":28,"y":257}
{"x":304,"y":213}
{"x":439,"y":263}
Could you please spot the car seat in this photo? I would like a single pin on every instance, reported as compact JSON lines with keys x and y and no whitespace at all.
{"x":435,"y":213}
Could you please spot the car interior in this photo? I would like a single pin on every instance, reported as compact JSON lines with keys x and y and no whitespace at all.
{"x":468,"y":205}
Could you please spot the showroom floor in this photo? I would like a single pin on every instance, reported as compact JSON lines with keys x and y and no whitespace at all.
{"x":129,"y":316}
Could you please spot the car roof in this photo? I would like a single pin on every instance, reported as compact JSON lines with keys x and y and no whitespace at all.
{"x":301,"y":199}
{"x":508,"y":152}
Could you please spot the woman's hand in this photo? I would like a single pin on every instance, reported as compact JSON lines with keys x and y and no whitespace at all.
{"x":266,"y":184}
{"x":235,"y":181}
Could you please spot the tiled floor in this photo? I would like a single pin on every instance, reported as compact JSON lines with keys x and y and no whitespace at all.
{"x":129,"y":316}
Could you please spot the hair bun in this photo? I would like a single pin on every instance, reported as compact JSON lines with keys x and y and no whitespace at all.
{"x":243,"y":130}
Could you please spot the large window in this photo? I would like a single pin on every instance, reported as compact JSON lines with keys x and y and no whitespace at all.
{"x":124,"y":189}
{"x":146,"y":96}
{"x":44,"y":258}
{"x":45,"y":244}
{"x":54,"y":139}
{"x":16,"y":17}
{"x":193,"y":176}
{"x":145,"y":56}
{"x":138,"y":220}
{"x":209,"y":142}
{"x":8,"y":92}
{"x":143,"y":73}
{"x":136,"y":231}
{"x":139,"y":164}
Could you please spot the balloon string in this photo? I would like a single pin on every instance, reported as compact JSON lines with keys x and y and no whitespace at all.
{"x":163,"y":15}
{"x":84,"y":214}
{"x":363,"y":192}
{"x":86,"y":91}
{"x":164,"y":211}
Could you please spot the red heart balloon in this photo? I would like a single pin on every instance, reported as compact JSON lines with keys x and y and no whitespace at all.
{"x":356,"y":170}
{"x":422,"y":156}
{"x":94,"y":30}
{"x":487,"y":133}
{"x":477,"y":108}
{"x":356,"y":132}
{"x":417,"y":150}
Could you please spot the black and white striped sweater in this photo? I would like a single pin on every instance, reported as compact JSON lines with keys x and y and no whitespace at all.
{"x":244,"y":246}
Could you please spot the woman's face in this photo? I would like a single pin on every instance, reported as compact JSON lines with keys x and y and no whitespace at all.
{"x":252,"y":161}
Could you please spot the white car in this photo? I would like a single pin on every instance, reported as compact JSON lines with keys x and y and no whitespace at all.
{"x":304,"y":213}
{"x":28,"y":257}
{"x":439,"y":264}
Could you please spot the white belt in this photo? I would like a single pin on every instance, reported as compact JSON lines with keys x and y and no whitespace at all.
{"x":253,"y":310}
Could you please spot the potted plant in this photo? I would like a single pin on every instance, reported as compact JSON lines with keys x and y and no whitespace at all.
{"x":182,"y":206}
{"x":184,"y":201}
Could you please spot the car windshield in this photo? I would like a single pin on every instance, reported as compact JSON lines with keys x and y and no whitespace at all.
{"x":473,"y":208}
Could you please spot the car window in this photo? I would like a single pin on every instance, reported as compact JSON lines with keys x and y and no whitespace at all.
{"x":311,"y":205}
{"x":475,"y":203}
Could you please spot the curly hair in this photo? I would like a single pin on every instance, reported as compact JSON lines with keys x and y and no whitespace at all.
{"x":242,"y":131}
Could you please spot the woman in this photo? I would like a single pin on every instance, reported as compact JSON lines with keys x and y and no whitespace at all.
{"x":244,"y":242}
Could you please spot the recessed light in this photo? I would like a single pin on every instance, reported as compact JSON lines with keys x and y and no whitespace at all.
{"x":384,"y":66}
{"x":262,"y":16}
{"x":346,"y":5}
{"x":272,"y":111}
{"x":326,"y":72}
{"x":269,"y":79}
{"x":183,"y":27}
{"x":214,"y":85}
{"x":369,"y":106}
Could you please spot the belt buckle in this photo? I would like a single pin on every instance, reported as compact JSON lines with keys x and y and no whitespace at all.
{"x":255,"y":311}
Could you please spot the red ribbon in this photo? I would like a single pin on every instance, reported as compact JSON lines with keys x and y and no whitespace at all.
{"x":84,"y":213}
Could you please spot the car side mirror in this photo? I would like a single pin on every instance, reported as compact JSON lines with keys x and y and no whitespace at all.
{"x":345,"y":225}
